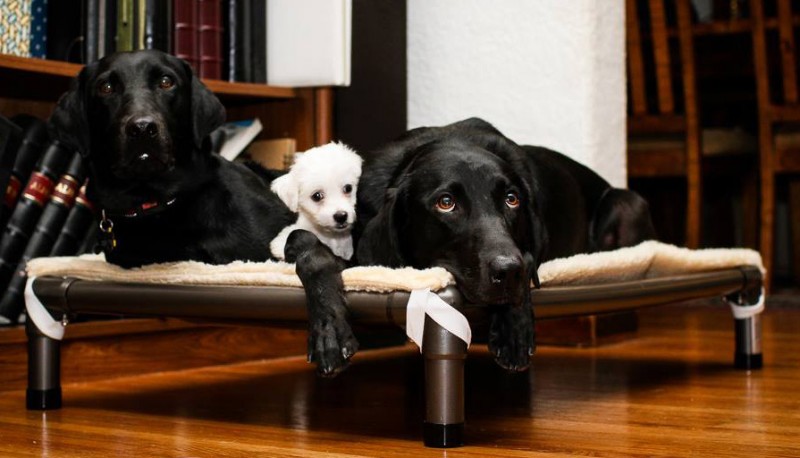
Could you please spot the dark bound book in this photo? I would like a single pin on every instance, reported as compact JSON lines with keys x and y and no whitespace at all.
{"x":76,"y":227}
{"x":34,"y":140}
{"x":64,"y":30}
{"x":210,"y":38}
{"x":26,"y":213}
{"x":158,"y":25}
{"x":107,"y":27}
{"x":184,"y":13}
{"x":229,"y":40}
{"x":44,"y":236}
{"x":91,"y":30}
{"x":244,"y":56}
{"x":10,"y":135}
{"x":258,"y":41}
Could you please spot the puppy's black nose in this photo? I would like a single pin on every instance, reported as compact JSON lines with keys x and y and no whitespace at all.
{"x":143,"y":126}
{"x":340,"y":217}
{"x":504,"y":267}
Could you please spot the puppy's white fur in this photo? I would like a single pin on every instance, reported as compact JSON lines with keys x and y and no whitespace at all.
{"x":326,"y":171}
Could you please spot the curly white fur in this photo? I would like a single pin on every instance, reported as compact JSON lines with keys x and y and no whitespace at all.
{"x":321,"y":187}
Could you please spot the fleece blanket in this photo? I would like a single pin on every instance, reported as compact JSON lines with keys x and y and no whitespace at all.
{"x":647,"y":260}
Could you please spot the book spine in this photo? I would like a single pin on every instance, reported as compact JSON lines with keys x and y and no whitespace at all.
{"x":29,"y":209}
{"x":109,"y":26}
{"x":125,"y":25}
{"x":15,"y":28}
{"x":230,"y":45}
{"x":91,"y":34}
{"x":38,"y":45}
{"x":185,"y":31}
{"x":76,"y":227}
{"x":210,"y":38}
{"x":158,"y":25}
{"x":139,"y":24}
{"x":44,"y":236}
{"x":259,"y":41}
{"x":30,"y":149}
{"x":244,"y":58}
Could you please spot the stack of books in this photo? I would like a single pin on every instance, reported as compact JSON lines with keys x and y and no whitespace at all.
{"x":44,"y":211}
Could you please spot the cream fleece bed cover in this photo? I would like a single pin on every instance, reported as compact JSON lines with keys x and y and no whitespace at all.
{"x":647,"y":260}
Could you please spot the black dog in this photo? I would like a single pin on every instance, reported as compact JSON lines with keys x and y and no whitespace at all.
{"x":142,"y":122}
{"x":466,"y":198}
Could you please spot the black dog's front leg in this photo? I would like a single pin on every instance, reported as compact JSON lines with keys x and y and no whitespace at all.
{"x":331,"y":342}
{"x":512,"y":335}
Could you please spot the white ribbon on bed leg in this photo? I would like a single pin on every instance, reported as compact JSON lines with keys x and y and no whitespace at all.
{"x":39,"y":314}
{"x":423,"y":302}
{"x":741,"y":312}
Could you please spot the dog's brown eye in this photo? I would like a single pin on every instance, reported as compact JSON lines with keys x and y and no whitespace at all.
{"x":317,"y":196}
{"x":446,"y":203}
{"x":165,"y":82}
{"x":105,"y":87}
{"x":512,"y":199}
{"x":348,"y":188}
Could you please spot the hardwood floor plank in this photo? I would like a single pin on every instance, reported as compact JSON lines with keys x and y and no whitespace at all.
{"x":670,"y":392}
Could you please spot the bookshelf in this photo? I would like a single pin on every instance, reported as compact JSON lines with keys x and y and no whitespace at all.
{"x":34,"y":85}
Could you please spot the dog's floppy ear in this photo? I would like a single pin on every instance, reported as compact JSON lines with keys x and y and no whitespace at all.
{"x":379,"y":244}
{"x":207,"y":111}
{"x":286,"y":188}
{"x":535,"y":236}
{"x":69,"y":122}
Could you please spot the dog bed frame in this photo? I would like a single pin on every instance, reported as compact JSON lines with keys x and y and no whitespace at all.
{"x":585,"y":284}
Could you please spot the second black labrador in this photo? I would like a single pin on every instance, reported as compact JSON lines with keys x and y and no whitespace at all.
{"x":466,"y":198}
{"x":142,"y":122}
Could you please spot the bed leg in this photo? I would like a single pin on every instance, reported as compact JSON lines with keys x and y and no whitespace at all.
{"x":44,"y":370}
{"x":748,"y":343}
{"x":444,"y":355}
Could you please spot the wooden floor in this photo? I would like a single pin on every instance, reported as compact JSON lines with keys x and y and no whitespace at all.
{"x":670,"y":392}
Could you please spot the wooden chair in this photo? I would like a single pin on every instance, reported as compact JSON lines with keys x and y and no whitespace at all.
{"x":778,"y":119}
{"x":664,"y":138}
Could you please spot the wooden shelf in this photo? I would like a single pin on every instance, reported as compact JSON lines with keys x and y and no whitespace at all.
{"x":68,"y":70}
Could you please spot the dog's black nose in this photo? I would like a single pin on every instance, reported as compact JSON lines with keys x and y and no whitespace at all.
{"x":340,"y":217}
{"x":144,"y":126}
{"x":504,"y":267}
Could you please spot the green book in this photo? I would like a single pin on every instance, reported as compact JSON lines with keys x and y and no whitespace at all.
{"x":125,"y":25}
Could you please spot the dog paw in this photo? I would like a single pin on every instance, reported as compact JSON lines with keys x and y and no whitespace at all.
{"x":330,"y":347}
{"x":511,"y":338}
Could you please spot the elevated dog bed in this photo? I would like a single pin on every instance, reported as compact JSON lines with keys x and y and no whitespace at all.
{"x":424,"y":303}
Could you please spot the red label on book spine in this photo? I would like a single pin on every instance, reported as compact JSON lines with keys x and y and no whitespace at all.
{"x":39,"y":188}
{"x":65,"y":191}
{"x":12,"y":191}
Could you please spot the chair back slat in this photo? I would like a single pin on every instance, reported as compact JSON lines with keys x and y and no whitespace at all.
{"x":658,"y":25}
{"x":636,"y":75}
{"x":787,"y":51}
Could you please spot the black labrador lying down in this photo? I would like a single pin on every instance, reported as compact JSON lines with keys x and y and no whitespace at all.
{"x":142,"y":122}
{"x":466,"y":198}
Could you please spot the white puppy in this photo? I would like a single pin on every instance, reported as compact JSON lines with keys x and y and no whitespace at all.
{"x":321,"y":187}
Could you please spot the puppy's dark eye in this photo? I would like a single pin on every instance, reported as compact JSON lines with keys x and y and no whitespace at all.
{"x":512,"y":199}
{"x":105,"y":88}
{"x":165,"y":82}
{"x":446,"y":203}
{"x":348,"y":188}
{"x":317,"y":196}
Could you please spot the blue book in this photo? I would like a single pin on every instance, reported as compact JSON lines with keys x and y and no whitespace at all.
{"x":39,"y":28}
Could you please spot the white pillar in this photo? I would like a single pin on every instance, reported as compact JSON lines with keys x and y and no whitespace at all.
{"x":544,"y":72}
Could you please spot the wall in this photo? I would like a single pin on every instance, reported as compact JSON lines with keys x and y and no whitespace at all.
{"x":545,"y":72}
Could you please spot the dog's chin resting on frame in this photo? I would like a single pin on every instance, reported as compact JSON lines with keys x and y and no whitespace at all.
{"x":321,"y":188}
